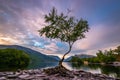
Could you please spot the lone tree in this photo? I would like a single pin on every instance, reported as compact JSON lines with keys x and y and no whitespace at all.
{"x":67,"y":29}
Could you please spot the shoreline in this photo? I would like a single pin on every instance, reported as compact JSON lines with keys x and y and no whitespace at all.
{"x":39,"y":74}
{"x":111,"y":64}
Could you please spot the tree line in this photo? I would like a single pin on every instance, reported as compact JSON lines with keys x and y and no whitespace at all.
{"x":107,"y":56}
{"x":13,"y":58}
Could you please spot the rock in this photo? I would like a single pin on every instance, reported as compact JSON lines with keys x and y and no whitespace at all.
{"x":9,"y":73}
{"x":75,"y":78}
{"x":30,"y":78}
{"x":19,"y":70}
{"x":56,"y":75}
{"x":17,"y":73}
{"x":23,"y":76}
{"x":39,"y":75}
{"x":3,"y":78}
{"x":2,"y":74}
{"x":82,"y":74}
{"x":33,"y":72}
{"x":80,"y":71}
{"x":59,"y":74}
{"x":11,"y":76}
{"x":46,"y":79}
{"x":76,"y":73}
{"x":71,"y":76}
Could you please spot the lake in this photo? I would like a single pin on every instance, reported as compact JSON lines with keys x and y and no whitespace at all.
{"x":93,"y":68}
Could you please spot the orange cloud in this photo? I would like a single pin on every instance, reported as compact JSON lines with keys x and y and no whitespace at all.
{"x":7,"y":41}
{"x":2,"y":41}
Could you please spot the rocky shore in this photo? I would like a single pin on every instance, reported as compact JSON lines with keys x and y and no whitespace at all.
{"x":39,"y":74}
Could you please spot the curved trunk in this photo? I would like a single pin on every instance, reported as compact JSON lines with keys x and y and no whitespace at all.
{"x":60,"y":62}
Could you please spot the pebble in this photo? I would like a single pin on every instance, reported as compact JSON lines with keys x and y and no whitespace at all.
{"x":23,"y":76}
{"x":40,"y":75}
{"x":2,"y":74}
{"x":3,"y":78}
{"x":11,"y":76}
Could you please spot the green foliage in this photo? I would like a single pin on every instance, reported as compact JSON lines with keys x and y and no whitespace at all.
{"x":106,"y":57}
{"x":13,"y":58}
{"x":76,"y":59}
{"x":117,"y":50}
{"x":67,"y":29}
{"x":93,"y":60}
{"x":62,"y":27}
{"x":103,"y":57}
{"x":76,"y":62}
{"x":118,"y":57}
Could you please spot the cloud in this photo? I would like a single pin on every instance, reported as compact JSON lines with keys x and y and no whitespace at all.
{"x":7,"y":40}
{"x":100,"y":37}
{"x":20,"y":21}
{"x":51,"y":47}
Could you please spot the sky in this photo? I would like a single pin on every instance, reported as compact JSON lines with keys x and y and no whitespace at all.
{"x":20,"y":21}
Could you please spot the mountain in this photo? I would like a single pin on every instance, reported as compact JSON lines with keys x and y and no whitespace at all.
{"x":55,"y":57}
{"x":68,"y":59}
{"x":36,"y":57}
{"x":84,"y":56}
{"x":80,"y":56}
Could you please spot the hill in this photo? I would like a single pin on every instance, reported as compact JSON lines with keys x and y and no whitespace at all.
{"x":84,"y":56}
{"x":68,"y":59}
{"x":79,"y":56}
{"x":11,"y":59}
{"x":36,"y":57}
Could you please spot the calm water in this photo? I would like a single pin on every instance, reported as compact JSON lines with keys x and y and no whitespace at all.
{"x":109,"y":70}
{"x":93,"y":68}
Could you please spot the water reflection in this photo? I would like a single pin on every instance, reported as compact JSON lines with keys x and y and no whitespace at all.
{"x":39,"y":65}
{"x":112,"y":71}
{"x":76,"y":66}
{"x":42,"y":65}
{"x":93,"y":68}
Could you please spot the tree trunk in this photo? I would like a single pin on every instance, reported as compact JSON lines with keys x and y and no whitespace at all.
{"x":60,"y":62}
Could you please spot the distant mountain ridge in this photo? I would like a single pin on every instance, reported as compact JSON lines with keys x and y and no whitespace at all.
{"x":79,"y":56}
{"x":36,"y":57}
{"x":68,"y":59}
{"x":55,"y":57}
{"x":84,"y":56}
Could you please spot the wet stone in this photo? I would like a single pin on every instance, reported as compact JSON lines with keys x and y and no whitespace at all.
{"x":23,"y":76}
{"x":46,"y":79}
{"x":2,"y":74}
{"x":29,"y":78}
{"x":76,"y":73}
{"x":41,"y":75}
{"x":9,"y":73}
{"x":2,"y":78}
{"x":11,"y":76}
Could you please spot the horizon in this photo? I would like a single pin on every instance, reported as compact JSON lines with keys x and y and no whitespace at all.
{"x":20,"y":21}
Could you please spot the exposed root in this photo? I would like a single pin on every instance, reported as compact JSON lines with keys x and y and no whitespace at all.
{"x":60,"y":70}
